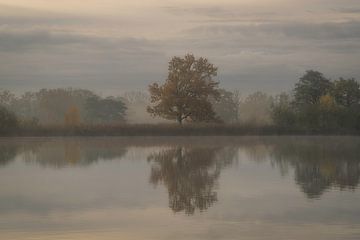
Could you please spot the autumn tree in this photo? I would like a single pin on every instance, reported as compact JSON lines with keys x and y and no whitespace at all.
{"x":72,"y":116}
{"x":186,"y":91}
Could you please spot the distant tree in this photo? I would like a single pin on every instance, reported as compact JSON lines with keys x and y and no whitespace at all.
{"x":328,"y":112}
{"x":256,"y":109}
{"x":105,"y":110}
{"x":6,"y":98}
{"x":311,"y":87}
{"x":26,"y":107}
{"x":282,"y":111}
{"x":227,"y":106}
{"x":53,"y":104}
{"x":186,"y":91}
{"x":346,"y":92}
{"x":8,"y":120}
{"x":72,"y":116}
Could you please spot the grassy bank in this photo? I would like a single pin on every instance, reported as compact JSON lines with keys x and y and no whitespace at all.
{"x":168,"y":130}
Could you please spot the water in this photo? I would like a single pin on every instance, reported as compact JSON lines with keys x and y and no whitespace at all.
{"x":180,"y":188}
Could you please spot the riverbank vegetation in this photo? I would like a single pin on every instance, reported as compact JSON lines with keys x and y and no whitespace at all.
{"x":189,"y":102}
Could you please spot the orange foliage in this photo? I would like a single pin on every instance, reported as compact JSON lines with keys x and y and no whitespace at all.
{"x":72,"y":116}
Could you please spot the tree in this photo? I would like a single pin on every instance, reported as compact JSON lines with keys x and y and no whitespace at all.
{"x":282,"y":111}
{"x":346,"y":92}
{"x":311,"y":87}
{"x":227,"y":106}
{"x":72,"y":116}
{"x":6,"y":98}
{"x":256,"y":109}
{"x":105,"y":110}
{"x":328,"y":112}
{"x":186,"y":91}
{"x":53,"y":104}
{"x":8,"y":120}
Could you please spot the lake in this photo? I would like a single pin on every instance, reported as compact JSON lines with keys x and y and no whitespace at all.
{"x":180,"y":188}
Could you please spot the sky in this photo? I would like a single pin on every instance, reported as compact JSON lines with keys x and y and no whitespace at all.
{"x":114,"y":46}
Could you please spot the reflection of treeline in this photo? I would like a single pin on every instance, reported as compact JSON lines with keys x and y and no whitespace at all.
{"x":7,"y":153}
{"x":74,"y":153}
{"x":189,"y":167}
{"x":9,"y":149}
{"x":60,"y":153}
{"x":320,"y":164}
{"x":190,"y":175}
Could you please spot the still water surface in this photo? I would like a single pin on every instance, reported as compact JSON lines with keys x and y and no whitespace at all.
{"x":180,"y":188}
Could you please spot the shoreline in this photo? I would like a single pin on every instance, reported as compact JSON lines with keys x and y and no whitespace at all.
{"x":169,"y":130}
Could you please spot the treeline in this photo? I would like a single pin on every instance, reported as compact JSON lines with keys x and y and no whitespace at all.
{"x":332,"y":107}
{"x":189,"y":95}
{"x":68,"y":107}
{"x":317,"y":103}
{"x":65,"y":107}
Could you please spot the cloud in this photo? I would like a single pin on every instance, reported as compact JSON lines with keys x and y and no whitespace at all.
{"x":34,"y":59}
{"x":347,"y":10}
{"x":303,"y":30}
{"x":15,"y":40}
{"x":13,"y":15}
{"x":256,"y":46}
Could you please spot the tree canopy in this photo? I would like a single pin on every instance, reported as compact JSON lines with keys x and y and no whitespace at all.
{"x":346,"y":92}
{"x":67,"y":106}
{"x":8,"y":120}
{"x":186,"y":92}
{"x":105,"y":110}
{"x":311,"y":87}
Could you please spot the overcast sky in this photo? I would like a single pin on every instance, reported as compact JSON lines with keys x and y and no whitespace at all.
{"x":113,"y":46}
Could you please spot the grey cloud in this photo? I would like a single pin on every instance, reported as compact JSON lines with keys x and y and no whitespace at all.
{"x":326,"y":31}
{"x":30,"y":59}
{"x":11,"y":15}
{"x":347,"y":10}
{"x":253,"y":50}
{"x":320,"y":31}
{"x":22,"y":40}
{"x":205,"y":11}
{"x":29,"y":39}
{"x":220,"y":14}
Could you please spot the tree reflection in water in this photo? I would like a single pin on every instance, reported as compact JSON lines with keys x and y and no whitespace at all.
{"x":190,"y":172}
{"x":7,"y":153}
{"x":73,"y":152}
{"x":190,"y":175}
{"x":319,"y":163}
{"x":10,"y":149}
